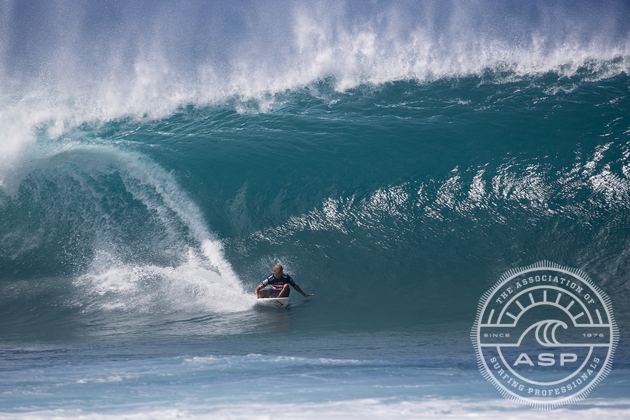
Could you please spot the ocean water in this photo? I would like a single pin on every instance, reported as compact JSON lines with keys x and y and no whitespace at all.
{"x":157,"y":159}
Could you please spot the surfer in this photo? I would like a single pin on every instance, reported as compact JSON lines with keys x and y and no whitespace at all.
{"x":279,"y":283}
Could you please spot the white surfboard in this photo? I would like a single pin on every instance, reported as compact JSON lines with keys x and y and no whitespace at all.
{"x":282,"y":302}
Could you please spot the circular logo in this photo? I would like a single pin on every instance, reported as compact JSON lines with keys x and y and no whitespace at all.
{"x":545,"y":335}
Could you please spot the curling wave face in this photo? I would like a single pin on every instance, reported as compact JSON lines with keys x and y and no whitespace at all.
{"x":90,"y":229}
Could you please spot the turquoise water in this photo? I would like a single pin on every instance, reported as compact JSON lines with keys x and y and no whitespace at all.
{"x":397,"y":159}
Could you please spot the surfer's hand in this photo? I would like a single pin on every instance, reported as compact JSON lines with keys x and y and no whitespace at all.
{"x":308,"y":294}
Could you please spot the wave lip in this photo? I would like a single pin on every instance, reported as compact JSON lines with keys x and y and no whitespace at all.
{"x":62,"y":65}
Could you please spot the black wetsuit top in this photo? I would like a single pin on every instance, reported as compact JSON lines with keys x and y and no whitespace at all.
{"x":277,"y":284}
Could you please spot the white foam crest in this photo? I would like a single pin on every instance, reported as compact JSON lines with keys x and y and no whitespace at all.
{"x":147,"y":63}
{"x":388,"y":46}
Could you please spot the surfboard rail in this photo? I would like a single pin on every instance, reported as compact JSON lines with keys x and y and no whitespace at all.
{"x":273,"y":302}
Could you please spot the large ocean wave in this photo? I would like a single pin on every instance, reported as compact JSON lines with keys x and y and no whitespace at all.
{"x":419,"y":145}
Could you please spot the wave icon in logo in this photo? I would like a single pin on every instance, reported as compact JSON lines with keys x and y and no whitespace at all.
{"x":548,"y":335}
{"x":545,"y":335}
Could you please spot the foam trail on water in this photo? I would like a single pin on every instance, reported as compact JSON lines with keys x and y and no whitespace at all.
{"x":367,"y":408}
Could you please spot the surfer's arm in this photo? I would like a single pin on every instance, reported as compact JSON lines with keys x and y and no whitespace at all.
{"x":296,"y":287}
{"x":260,"y":286}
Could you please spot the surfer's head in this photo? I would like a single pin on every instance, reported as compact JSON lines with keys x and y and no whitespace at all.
{"x":277,"y":271}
